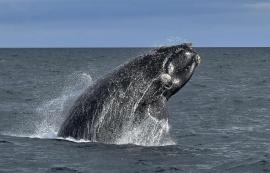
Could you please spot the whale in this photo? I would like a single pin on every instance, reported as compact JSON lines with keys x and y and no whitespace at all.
{"x":134,"y":91}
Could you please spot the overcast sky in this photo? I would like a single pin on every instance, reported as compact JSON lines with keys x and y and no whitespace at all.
{"x":134,"y":23}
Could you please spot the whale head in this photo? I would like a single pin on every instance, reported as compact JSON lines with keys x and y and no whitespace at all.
{"x":178,"y":67}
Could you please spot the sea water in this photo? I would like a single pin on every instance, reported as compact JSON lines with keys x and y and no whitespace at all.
{"x":219,"y":121}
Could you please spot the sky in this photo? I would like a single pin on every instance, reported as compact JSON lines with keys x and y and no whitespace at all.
{"x":134,"y":23}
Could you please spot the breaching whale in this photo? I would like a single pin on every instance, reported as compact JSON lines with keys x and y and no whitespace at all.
{"x":124,"y":98}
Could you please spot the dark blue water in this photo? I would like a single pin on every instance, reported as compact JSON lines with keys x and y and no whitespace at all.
{"x":219,"y":122}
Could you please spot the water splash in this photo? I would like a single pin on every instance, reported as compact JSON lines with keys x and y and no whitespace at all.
{"x":52,"y":112}
{"x":171,"y":41}
{"x":151,"y":132}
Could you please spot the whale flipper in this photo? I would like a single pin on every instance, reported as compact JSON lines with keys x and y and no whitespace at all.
{"x":157,"y":109}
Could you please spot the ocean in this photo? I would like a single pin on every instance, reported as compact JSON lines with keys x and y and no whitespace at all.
{"x":219,"y":121}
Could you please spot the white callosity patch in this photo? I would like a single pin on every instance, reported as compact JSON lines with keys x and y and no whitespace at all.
{"x":176,"y":81}
{"x":170,"y":68}
{"x":166,"y":79}
{"x":198,"y":59}
{"x":166,"y":60}
{"x":188,"y":53}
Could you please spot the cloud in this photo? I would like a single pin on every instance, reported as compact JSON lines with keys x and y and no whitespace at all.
{"x":259,"y":6}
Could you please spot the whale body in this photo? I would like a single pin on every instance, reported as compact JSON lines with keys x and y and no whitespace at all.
{"x":123,"y":99}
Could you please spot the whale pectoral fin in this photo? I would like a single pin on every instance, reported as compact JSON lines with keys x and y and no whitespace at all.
{"x":153,"y":103}
{"x":156,"y":108}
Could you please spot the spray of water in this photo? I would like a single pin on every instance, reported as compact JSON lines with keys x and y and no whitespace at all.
{"x":151,"y":132}
{"x":170,"y":41}
{"x":51,"y":112}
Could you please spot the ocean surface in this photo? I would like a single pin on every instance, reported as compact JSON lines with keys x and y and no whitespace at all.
{"x":219,"y":121}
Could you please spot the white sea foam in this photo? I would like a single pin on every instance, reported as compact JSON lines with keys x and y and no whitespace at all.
{"x":48,"y":135}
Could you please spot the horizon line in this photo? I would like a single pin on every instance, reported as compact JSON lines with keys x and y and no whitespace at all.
{"x":119,"y":47}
